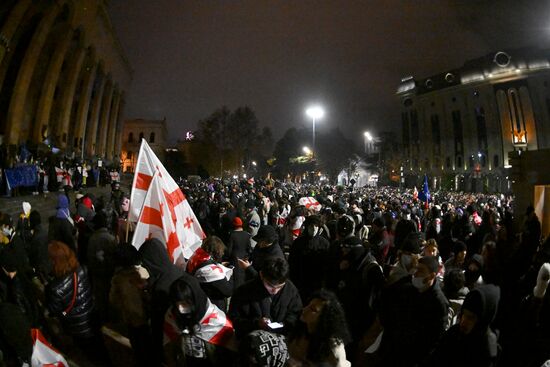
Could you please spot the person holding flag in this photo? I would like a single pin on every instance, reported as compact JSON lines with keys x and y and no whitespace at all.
{"x":424,"y":195}
{"x":161,"y":210}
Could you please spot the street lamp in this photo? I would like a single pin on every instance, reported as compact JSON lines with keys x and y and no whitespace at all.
{"x":315,"y":113}
{"x":368,"y":137}
{"x":254,"y":163}
{"x":306,"y":150}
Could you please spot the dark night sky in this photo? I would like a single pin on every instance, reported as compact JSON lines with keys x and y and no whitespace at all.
{"x":191,"y":57}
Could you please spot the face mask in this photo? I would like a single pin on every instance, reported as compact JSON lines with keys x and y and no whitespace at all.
{"x":418,"y":283}
{"x":184,"y":309}
{"x":312,"y":231}
{"x":407,"y":262}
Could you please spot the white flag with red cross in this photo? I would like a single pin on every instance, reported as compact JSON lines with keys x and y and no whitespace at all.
{"x":310,"y":203}
{"x":161,"y":209}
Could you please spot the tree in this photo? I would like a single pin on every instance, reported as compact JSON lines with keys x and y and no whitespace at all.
{"x":334,"y":152}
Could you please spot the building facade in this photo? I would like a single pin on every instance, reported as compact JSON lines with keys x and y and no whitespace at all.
{"x":153,"y":131}
{"x":459,"y":126}
{"x":63,"y":76}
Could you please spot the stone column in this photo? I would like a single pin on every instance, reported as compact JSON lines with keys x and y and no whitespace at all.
{"x":91,"y":127}
{"x":24,"y":76}
{"x":111,"y":131}
{"x":104,"y":122}
{"x":50,"y":82}
{"x":119,"y":125}
{"x":9,"y":28}
{"x":84,"y":105}
{"x":67,"y":96}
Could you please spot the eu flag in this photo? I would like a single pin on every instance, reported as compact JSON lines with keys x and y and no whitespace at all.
{"x":424,"y":195}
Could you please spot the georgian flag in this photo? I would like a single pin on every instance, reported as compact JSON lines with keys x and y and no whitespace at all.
{"x":310,"y":203}
{"x":161,"y":210}
{"x":205,"y":270}
{"x":43,"y":353}
{"x":215,"y":327}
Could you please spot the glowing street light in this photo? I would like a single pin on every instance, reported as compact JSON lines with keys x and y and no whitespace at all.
{"x":368,"y":138}
{"x":254,"y":163}
{"x":307,"y":151}
{"x":315,"y":113}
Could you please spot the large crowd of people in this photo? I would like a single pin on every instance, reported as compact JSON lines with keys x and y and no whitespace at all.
{"x":288,"y":275}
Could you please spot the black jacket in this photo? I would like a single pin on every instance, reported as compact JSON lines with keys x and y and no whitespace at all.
{"x":238,"y":247}
{"x":59,"y":293}
{"x":308,"y":262}
{"x":62,"y":230}
{"x":38,"y":255}
{"x":251,"y":302}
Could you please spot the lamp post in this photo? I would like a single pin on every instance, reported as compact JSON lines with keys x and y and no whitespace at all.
{"x":368,"y":138}
{"x":315,"y":113}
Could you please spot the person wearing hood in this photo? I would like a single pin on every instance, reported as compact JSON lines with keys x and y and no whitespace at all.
{"x":62,"y":225}
{"x":266,"y":247}
{"x":308,"y":258}
{"x":196,"y":332}
{"x":84,"y":222}
{"x":472,"y":336}
{"x":100,"y":255}
{"x":38,"y":254}
{"x":162,"y":273}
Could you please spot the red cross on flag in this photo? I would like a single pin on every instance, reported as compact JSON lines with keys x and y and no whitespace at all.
{"x":160,"y":208}
{"x":310,"y":203}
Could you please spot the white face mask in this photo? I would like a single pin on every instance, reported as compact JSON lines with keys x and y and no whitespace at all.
{"x":184,"y":309}
{"x":418,"y":283}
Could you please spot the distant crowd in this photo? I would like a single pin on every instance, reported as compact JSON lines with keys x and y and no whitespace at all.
{"x":288,"y":275}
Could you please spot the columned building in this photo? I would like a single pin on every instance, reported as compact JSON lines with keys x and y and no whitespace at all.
{"x":63,"y":76}
{"x":459,"y":126}
{"x":152,"y":131}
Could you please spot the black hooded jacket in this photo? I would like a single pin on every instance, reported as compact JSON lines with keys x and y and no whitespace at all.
{"x":162,"y":274}
{"x":479,"y":348}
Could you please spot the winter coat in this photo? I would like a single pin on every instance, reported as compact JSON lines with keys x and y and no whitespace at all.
{"x":128,"y":296}
{"x":479,"y":348}
{"x":251,"y":302}
{"x":15,"y":334}
{"x":238,"y":248}
{"x":308,"y":263}
{"x":59,"y":294}
{"x":62,"y":230}
{"x":38,"y":255}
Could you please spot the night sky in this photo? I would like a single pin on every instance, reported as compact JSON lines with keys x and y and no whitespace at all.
{"x":191,"y":57}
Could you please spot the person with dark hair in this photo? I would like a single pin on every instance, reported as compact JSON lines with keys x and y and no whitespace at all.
{"x":308,"y":258}
{"x":19,"y":288}
{"x":69,"y":297}
{"x":195,"y":329}
{"x":162,"y":274}
{"x":38,"y":255}
{"x":12,"y":243}
{"x":238,"y":248}
{"x":269,"y":302}
{"x":455,"y":290}
{"x":127,"y":296}
{"x":266,"y":247}
{"x":215,"y":278}
{"x":457,"y":261}
{"x":100,"y":255}
{"x":320,"y":336}
{"x":472,"y":336}
{"x":379,"y":240}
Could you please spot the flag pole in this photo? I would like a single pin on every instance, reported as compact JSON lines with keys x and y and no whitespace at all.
{"x":127,"y":230}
